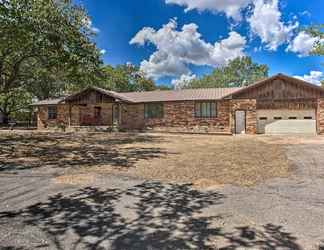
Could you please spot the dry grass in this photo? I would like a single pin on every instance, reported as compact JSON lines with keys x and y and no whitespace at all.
{"x":215,"y":160}
{"x":76,"y":179}
{"x":204,"y":160}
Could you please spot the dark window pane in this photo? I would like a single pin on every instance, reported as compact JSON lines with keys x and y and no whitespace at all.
{"x":153,"y":110}
{"x":52,"y":112}
{"x":205,"y":109}
{"x":213,"y":109}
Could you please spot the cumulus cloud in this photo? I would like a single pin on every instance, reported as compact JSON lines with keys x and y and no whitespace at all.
{"x":232,"y":8}
{"x":89,"y":24}
{"x":103,"y":51}
{"x":177,"y":49}
{"x":183,"y":81}
{"x":266,"y":23}
{"x":314,"y":77}
{"x":303,"y":44}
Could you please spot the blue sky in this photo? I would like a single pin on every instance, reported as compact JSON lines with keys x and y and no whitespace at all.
{"x":270,"y":31}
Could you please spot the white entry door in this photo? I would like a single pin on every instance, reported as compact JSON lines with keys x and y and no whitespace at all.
{"x":240,"y":122}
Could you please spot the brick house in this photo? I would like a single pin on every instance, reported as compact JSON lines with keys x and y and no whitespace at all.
{"x":279,"y":104}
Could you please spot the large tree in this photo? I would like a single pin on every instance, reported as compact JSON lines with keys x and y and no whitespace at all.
{"x":44,"y":46}
{"x":125,"y":78}
{"x":239,"y":72}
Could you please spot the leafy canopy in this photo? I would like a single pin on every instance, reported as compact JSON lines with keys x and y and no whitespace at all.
{"x":44,"y":46}
{"x":237,"y":73}
{"x":318,"y":32}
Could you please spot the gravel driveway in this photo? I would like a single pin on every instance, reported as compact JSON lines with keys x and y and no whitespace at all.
{"x":118,"y":212}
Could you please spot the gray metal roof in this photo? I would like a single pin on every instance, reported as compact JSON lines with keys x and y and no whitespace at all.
{"x":53,"y":101}
{"x":153,"y":96}
{"x":178,"y":95}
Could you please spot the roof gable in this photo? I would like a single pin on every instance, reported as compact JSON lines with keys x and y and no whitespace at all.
{"x":279,"y":87}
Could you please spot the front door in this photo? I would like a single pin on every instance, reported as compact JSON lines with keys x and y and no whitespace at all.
{"x":239,"y":122}
{"x":116,"y":114}
{"x":97,"y":116}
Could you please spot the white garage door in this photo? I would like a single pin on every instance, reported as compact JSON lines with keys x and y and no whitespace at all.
{"x":286,"y":121}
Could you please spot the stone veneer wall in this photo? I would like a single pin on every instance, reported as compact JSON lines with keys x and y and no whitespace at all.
{"x":320,"y":116}
{"x":249,"y":105}
{"x":178,"y":117}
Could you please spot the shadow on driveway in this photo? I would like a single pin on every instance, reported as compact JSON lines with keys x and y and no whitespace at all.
{"x":145,"y":216}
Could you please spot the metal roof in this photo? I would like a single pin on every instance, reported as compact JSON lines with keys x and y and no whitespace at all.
{"x":178,"y":95}
{"x":54,"y":101}
{"x":174,"y":95}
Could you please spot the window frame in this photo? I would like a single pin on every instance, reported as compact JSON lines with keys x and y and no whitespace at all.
{"x":52,"y":112}
{"x":148,"y":110}
{"x":210,"y":112}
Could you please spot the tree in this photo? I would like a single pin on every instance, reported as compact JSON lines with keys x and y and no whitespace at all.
{"x":125,"y":78}
{"x":237,"y":73}
{"x":45,"y":45}
{"x":318,"y":32}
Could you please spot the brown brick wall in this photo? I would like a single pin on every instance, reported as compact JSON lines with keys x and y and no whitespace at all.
{"x":132,"y":116}
{"x":76,"y":112}
{"x":249,"y":105}
{"x":178,"y":116}
{"x":320,"y":116}
{"x":42,"y":117}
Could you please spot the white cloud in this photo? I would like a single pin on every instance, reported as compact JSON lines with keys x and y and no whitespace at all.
{"x":314,"y":77}
{"x":183,"y":81}
{"x":177,"y":49}
{"x":302,"y":44}
{"x":266,"y":22}
{"x":89,"y":24}
{"x":231,"y":8}
{"x":103,"y":51}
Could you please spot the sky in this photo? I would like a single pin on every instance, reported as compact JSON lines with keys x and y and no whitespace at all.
{"x":174,"y":41}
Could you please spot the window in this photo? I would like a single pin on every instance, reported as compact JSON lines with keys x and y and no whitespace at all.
{"x":263,"y":118}
{"x":277,"y":118}
{"x":205,"y":109}
{"x":153,"y":110}
{"x":52,"y":112}
{"x":292,"y":118}
{"x":308,"y":118}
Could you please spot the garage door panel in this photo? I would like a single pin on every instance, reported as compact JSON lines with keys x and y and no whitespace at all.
{"x":286,"y":121}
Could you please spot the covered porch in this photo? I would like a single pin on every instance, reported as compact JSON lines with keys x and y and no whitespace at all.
{"x":94,"y":107}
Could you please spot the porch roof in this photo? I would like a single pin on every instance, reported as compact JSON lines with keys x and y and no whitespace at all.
{"x":52,"y":101}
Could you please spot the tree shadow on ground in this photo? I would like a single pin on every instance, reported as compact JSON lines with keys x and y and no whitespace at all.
{"x":146,"y":216}
{"x":19,"y":152}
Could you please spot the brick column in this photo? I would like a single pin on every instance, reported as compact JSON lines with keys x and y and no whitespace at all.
{"x":320,"y":116}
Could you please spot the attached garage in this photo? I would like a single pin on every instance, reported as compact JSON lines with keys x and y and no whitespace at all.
{"x":283,"y":105}
{"x":286,"y":121}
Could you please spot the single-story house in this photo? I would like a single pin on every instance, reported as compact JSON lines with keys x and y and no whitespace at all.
{"x":279,"y":104}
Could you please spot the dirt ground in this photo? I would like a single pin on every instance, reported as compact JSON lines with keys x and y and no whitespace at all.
{"x":202,"y":160}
